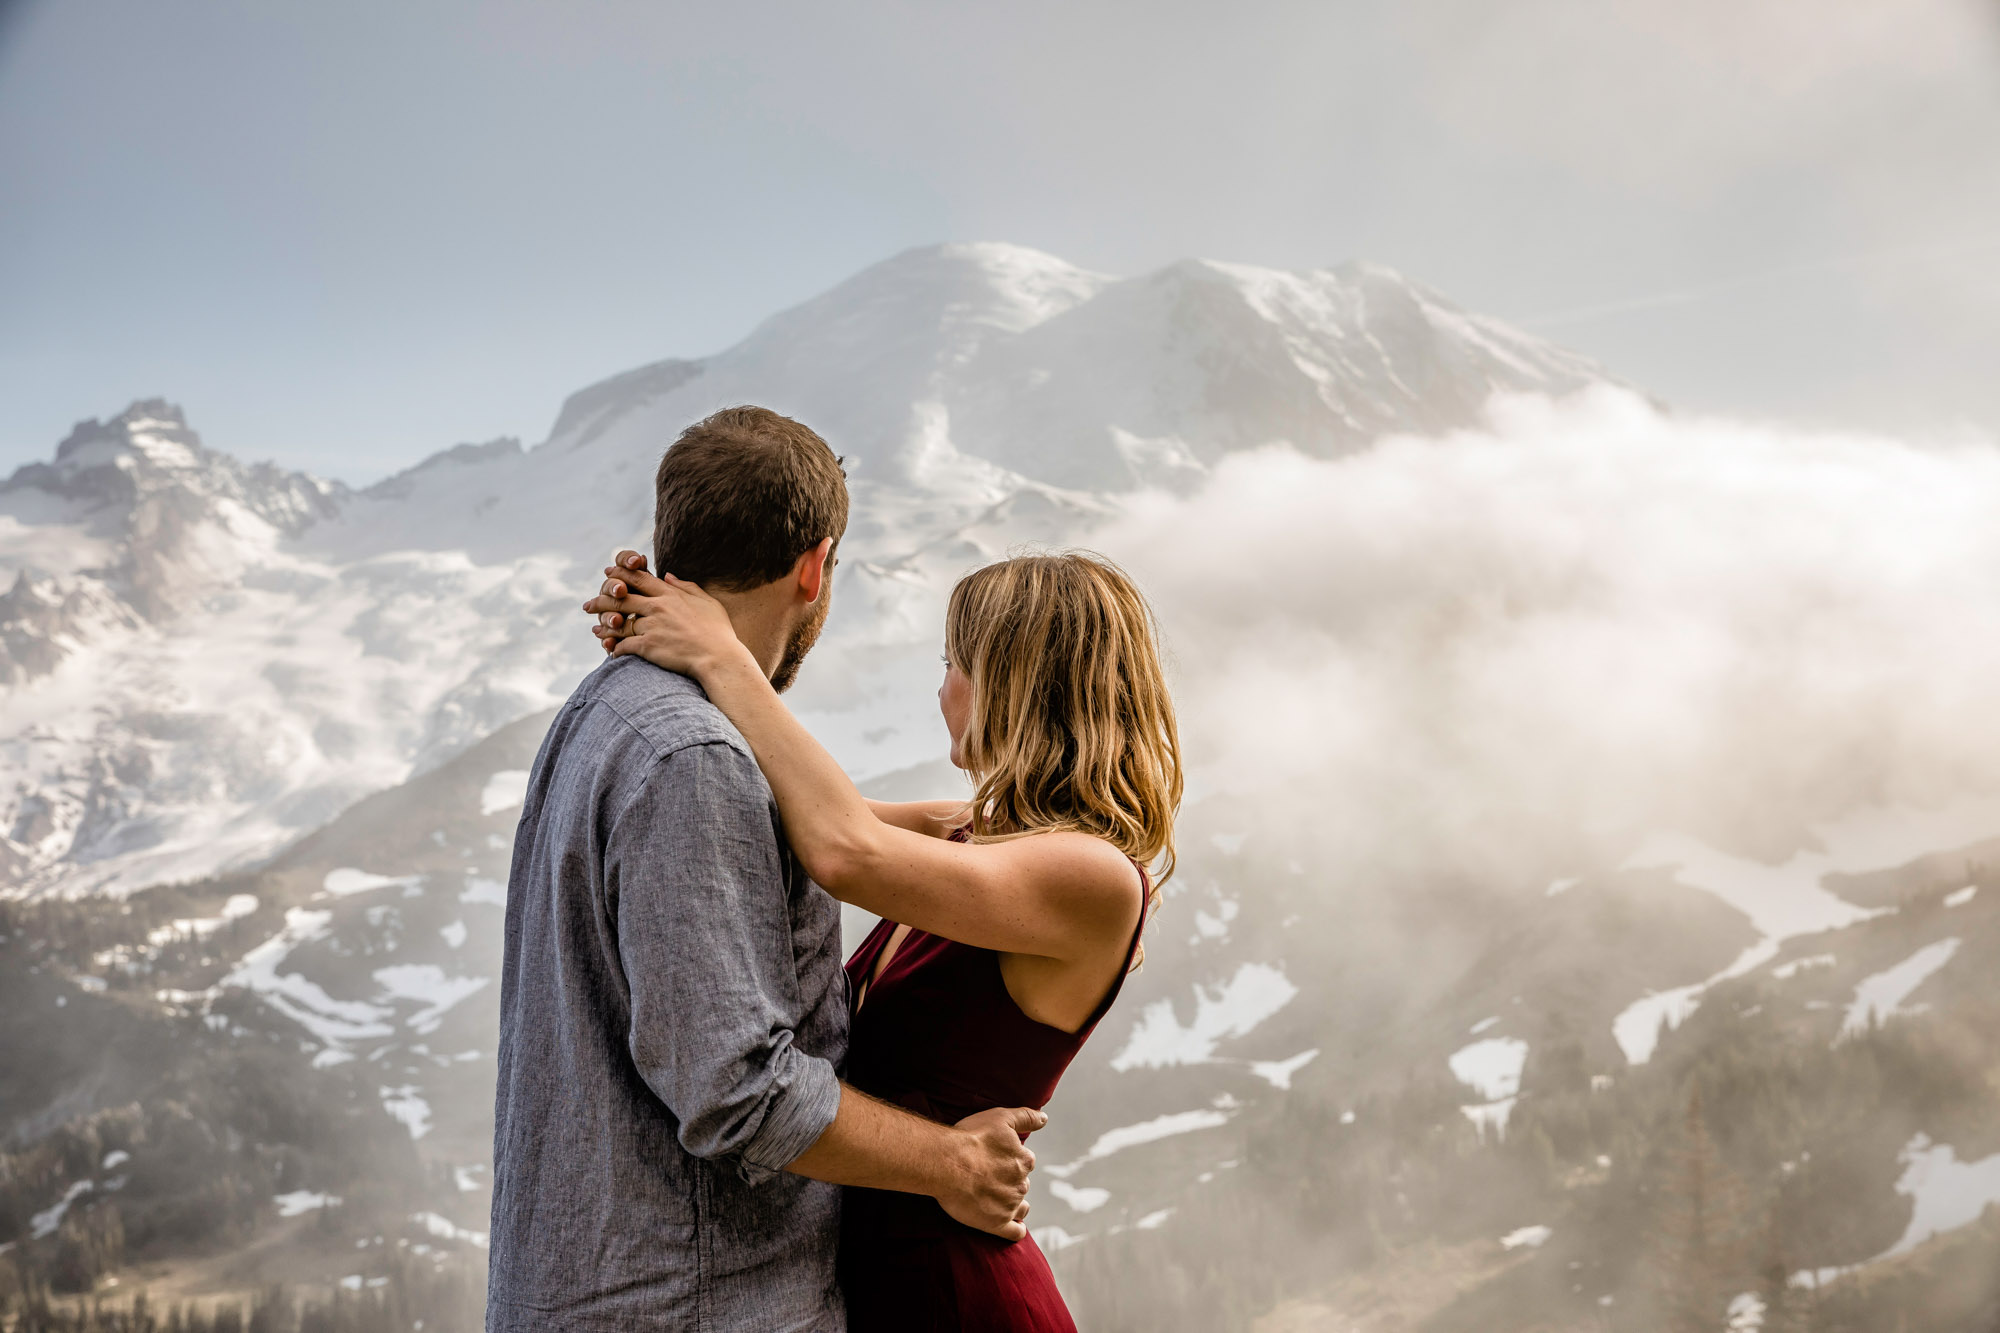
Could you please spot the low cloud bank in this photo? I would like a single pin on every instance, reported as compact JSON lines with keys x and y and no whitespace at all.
{"x":1515,"y":650}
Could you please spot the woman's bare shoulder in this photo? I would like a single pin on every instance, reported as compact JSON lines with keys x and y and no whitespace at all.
{"x":1080,"y":866}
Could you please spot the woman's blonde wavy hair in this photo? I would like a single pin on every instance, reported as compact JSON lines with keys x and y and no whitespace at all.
{"x":1071,"y":727}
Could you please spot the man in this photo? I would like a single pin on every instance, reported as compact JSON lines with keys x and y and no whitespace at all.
{"x":670,"y":1132}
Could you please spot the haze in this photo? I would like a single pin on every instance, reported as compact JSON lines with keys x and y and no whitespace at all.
{"x":346,"y":236}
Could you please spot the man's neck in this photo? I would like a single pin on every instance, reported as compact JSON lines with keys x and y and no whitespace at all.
{"x":758,"y":617}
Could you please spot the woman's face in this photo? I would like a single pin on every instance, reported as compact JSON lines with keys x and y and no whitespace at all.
{"x":955,"y":702}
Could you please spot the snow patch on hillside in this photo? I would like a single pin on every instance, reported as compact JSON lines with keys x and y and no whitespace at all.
{"x":47,"y":1222}
{"x":445,"y":1229}
{"x":1786,"y":971}
{"x":428,"y":984}
{"x":1490,"y":1118}
{"x":1278,"y":1073}
{"x":503,"y":791}
{"x":1946,"y":1193}
{"x":407,"y":1104}
{"x":299,"y":1202}
{"x":347,"y":881}
{"x":1133,"y":1136}
{"x":334,"y":1022}
{"x":1788,"y":900}
{"x":1232,"y":1009}
{"x":491,"y":892}
{"x":1880,"y":997}
{"x":1054,"y":1239}
{"x":1492,"y":1067}
{"x":1637,"y":1026}
{"x":1081,"y":1199}
{"x":238,"y":906}
{"x":1781,"y":900}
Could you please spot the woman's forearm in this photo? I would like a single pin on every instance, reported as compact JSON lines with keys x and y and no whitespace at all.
{"x":827,"y":821}
{"x":933,"y":819}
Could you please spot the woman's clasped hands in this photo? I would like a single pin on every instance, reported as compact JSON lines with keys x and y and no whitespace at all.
{"x":668,"y":621}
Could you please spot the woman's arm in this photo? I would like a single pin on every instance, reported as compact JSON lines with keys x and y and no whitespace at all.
{"x":933,"y":819}
{"x":1053,"y":895}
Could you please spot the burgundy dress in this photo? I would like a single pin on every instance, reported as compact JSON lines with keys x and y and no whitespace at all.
{"x":938,"y":1034}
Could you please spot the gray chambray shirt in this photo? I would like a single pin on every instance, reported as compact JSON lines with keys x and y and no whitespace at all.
{"x":672,"y":1013}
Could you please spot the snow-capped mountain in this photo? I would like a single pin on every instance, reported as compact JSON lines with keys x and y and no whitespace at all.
{"x":208,"y":659}
{"x":1425,"y":1061}
{"x":194,"y":685}
{"x":128,"y":524}
{"x":1087,"y":382}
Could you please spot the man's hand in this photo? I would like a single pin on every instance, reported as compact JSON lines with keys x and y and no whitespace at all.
{"x":990,"y":1190}
{"x":977,"y":1169}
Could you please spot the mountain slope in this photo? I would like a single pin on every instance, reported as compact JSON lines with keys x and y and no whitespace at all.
{"x":208,"y":660}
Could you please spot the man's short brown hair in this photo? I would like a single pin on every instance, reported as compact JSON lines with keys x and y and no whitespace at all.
{"x":741,"y":495}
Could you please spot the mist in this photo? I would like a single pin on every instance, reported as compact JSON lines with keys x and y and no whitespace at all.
{"x":1565,"y":791}
{"x":1515,"y":650}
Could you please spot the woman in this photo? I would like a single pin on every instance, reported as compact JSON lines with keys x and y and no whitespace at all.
{"x":1009,"y":921}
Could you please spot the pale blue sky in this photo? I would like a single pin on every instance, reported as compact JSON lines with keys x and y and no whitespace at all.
{"x":343,"y":236}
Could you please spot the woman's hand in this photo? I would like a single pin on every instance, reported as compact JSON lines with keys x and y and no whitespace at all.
{"x":669,"y":622}
{"x":616,"y":584}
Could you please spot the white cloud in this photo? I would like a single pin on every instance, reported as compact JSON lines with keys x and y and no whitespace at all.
{"x":1534,"y":643}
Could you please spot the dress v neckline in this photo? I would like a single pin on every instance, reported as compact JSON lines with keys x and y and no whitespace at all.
{"x":885,"y":958}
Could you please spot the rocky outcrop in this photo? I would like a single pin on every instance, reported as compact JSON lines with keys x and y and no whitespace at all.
{"x":162,"y":520}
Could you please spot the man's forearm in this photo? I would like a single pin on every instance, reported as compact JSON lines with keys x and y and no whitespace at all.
{"x":873,"y":1144}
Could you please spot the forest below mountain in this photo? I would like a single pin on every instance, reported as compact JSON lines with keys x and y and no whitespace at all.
{"x":1687,"y":1190}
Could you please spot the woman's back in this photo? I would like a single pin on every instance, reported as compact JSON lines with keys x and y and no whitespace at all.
{"x":937,"y":1032}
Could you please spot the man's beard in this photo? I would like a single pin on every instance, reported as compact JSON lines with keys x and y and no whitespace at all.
{"x":804,"y":635}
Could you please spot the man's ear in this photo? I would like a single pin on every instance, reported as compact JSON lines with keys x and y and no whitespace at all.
{"x":812,"y":572}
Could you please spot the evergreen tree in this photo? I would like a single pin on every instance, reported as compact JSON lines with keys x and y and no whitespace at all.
{"x":1701,"y":1230}
{"x":273,"y":1312}
{"x":1787,"y":1309}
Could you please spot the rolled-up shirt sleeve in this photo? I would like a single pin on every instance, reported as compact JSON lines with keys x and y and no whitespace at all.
{"x":699,"y":900}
